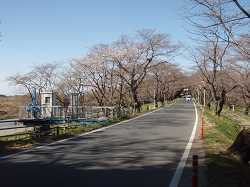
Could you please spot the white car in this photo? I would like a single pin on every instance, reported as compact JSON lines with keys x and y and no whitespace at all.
{"x":188,"y":98}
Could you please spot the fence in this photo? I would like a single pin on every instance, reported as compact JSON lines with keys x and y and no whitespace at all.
{"x":40,"y":131}
{"x":87,"y":113}
{"x":58,"y":114}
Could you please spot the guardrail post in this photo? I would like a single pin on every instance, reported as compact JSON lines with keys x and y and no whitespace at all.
{"x":57,"y":130}
{"x":195,"y":171}
{"x":91,"y":114}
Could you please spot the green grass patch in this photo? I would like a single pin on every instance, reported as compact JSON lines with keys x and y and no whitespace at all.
{"x":219,"y":134}
{"x":238,"y":111}
{"x":227,"y":172}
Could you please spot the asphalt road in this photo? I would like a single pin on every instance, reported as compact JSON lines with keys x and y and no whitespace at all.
{"x":8,"y":123}
{"x":11,"y":123}
{"x":141,"y":152}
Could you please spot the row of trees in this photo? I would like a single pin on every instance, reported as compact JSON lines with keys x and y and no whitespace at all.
{"x":222,"y":53}
{"x":123,"y":73}
{"x":222,"y":58}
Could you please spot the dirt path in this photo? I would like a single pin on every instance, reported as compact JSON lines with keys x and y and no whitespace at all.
{"x":238,"y":119}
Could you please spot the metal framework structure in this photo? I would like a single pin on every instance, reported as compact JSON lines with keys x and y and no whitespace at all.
{"x":80,"y":114}
{"x":49,"y":112}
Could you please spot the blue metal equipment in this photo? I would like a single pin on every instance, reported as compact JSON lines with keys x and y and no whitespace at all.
{"x":32,"y":108}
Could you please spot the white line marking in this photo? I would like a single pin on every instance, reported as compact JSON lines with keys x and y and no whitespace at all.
{"x":83,"y":134}
{"x":177,"y":175}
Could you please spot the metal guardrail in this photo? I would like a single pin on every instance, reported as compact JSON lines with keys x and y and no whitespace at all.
{"x":9,"y":120}
{"x":38,"y":133}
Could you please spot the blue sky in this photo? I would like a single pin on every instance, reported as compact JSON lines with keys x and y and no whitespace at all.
{"x":44,"y":31}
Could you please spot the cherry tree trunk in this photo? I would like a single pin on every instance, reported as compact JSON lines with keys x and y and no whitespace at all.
{"x":247,"y":106}
{"x":240,"y":149}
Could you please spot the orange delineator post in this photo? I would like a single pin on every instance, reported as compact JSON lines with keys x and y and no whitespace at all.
{"x":202,"y":126}
{"x":195,"y":171}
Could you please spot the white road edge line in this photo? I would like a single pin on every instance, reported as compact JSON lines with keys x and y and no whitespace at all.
{"x":83,"y":134}
{"x":177,"y":175}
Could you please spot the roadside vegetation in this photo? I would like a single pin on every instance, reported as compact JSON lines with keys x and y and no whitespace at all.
{"x":9,"y":106}
{"x":219,"y":134}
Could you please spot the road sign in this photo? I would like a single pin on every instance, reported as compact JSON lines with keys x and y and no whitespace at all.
{"x":154,"y":89}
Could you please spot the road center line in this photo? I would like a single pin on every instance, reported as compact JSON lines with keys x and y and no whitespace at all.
{"x":177,"y":175}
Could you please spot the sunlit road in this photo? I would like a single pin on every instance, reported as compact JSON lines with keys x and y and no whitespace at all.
{"x":8,"y":123}
{"x":141,"y":152}
{"x":12,"y":123}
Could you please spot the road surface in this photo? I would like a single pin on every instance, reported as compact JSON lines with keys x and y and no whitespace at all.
{"x":144,"y":151}
{"x":12,"y":123}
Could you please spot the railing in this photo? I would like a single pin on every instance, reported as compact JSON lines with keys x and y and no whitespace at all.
{"x":40,"y":131}
{"x":57,"y":114}
{"x":88,"y":113}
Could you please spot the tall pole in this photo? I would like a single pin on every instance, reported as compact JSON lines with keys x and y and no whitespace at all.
{"x":204,"y":93}
{"x":134,"y":109}
{"x":204,"y":97}
{"x":34,"y":98}
{"x":164,"y":97}
{"x":154,"y":96}
{"x":199,"y":96}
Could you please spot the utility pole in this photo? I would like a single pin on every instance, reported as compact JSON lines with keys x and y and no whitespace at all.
{"x":154,"y":96}
{"x":204,"y":93}
{"x":164,"y":93}
{"x":204,"y":97}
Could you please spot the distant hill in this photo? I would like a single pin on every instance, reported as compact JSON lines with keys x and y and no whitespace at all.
{"x":10,"y":105}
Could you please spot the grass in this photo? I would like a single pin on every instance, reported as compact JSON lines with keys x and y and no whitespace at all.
{"x":8,"y":117}
{"x":219,"y":134}
{"x":239,"y":111}
{"x":227,"y":172}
